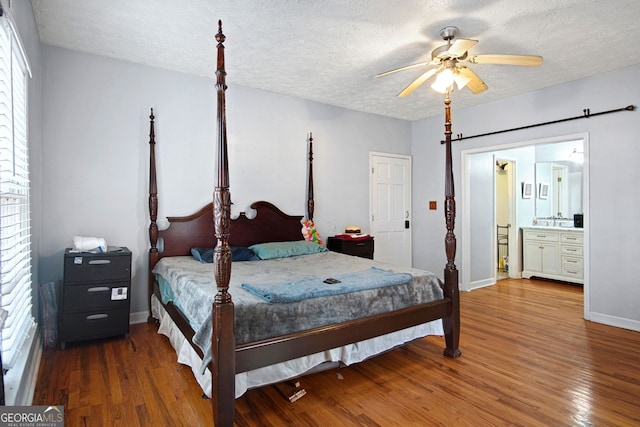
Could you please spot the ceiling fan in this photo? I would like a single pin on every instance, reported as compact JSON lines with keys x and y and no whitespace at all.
{"x":447,"y":61}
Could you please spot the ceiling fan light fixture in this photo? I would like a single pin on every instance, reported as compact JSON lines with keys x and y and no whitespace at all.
{"x":444,"y":81}
{"x":447,"y":77}
{"x":461,"y":80}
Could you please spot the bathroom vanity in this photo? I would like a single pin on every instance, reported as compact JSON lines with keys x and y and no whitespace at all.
{"x":553,"y":253}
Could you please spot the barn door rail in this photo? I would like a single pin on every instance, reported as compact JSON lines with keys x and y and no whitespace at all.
{"x":586,"y":113}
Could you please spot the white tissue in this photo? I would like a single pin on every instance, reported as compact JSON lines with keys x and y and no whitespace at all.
{"x":85,"y":244}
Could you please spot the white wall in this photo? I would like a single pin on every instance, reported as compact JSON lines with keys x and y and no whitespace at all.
{"x":481,"y":200}
{"x":612,"y":156}
{"x":95,"y":172}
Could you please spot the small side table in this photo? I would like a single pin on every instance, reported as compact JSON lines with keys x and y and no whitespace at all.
{"x":357,"y":247}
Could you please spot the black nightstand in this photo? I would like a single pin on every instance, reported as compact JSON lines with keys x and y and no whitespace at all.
{"x":362,"y":248}
{"x":96,"y":292}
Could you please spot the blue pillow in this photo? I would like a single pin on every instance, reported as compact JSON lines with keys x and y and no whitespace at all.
{"x":238,"y":253}
{"x":273,"y":250}
{"x":202,"y":254}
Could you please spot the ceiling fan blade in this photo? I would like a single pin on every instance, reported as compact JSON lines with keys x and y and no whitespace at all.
{"x":475,"y":84}
{"x":406,"y":67}
{"x":525,"y":60}
{"x":461,"y":46}
{"x":417,"y":82}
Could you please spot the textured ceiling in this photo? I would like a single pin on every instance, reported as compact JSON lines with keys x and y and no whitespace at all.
{"x":329,"y":50}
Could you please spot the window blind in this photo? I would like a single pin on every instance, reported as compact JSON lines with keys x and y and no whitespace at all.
{"x":15,"y":221}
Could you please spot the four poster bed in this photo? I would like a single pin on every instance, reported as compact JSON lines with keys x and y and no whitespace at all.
{"x":262,"y":335}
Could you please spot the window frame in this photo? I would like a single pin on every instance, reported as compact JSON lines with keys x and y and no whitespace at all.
{"x":16,"y":303}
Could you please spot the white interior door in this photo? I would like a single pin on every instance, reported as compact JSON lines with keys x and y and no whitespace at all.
{"x":391,"y":208}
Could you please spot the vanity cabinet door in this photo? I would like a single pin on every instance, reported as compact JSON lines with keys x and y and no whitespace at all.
{"x":532,"y":256}
{"x":550,"y":253}
{"x":541,"y":257}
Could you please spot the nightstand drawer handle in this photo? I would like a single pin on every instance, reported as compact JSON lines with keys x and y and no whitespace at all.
{"x":99,"y":261}
{"x":97,"y":316}
{"x":99,"y":289}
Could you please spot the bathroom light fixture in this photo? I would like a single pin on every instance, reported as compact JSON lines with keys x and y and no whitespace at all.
{"x":576,"y":156}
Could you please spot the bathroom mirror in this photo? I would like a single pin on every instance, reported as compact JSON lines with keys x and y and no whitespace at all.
{"x":558,"y":189}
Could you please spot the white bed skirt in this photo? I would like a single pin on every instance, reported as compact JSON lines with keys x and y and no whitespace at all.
{"x":348,"y":354}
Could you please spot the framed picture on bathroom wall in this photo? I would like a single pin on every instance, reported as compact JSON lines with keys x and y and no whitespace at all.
{"x":543,"y":190}
{"x":527,"y":190}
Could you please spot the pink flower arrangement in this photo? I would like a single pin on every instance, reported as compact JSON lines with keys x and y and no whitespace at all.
{"x":309,"y":232}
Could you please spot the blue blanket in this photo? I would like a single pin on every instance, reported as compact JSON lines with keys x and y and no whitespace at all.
{"x":315,"y":287}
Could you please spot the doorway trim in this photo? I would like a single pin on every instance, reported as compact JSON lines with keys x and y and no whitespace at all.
{"x":466,"y":214}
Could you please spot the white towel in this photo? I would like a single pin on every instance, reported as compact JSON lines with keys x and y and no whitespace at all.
{"x":86,"y":244}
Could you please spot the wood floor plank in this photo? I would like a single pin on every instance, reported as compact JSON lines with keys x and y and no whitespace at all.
{"x":529,"y":359}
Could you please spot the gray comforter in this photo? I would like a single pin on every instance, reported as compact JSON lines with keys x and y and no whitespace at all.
{"x":193,"y":288}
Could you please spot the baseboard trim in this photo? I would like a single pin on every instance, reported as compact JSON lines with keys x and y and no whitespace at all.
{"x":482,"y":283}
{"x":618,"y":322}
{"x":139,"y":317}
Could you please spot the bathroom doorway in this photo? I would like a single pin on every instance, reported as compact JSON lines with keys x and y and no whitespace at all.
{"x":504,"y":214}
{"x":478,"y":217}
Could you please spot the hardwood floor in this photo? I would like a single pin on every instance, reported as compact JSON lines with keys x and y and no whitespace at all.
{"x":529,"y":359}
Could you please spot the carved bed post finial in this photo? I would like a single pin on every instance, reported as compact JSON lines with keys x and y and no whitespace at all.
{"x":310,"y":200}
{"x":449,"y":202}
{"x":222,"y":197}
{"x":451,"y":323}
{"x":153,"y":187}
{"x":153,"y":208}
{"x":223,"y":340}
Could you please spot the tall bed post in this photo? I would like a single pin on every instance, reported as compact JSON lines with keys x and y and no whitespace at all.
{"x":223,"y":340}
{"x":153,"y":208}
{"x":310,"y":201}
{"x":451,"y":323}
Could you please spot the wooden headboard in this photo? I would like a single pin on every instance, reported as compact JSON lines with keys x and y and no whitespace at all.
{"x":270,"y":224}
